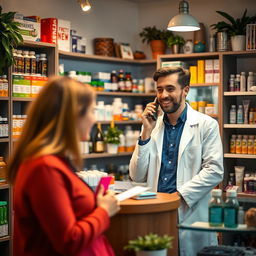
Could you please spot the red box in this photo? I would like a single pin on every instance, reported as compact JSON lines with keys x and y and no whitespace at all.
{"x":49,"y":30}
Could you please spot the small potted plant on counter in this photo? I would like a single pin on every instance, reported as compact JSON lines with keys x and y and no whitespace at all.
{"x":175,"y":43}
{"x":10,"y":38}
{"x":236,"y":28}
{"x":156,"y":38}
{"x":111,"y":138}
{"x":150,"y":245}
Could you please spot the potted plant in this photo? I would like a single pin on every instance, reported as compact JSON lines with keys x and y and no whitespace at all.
{"x":175,"y":42}
{"x":156,"y":38}
{"x":10,"y":38}
{"x":111,"y":138}
{"x":236,"y":28}
{"x":150,"y":245}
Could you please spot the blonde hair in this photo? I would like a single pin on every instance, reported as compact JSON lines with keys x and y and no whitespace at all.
{"x":51,"y":126}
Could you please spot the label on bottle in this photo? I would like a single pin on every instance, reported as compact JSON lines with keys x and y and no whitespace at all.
{"x":99,"y":146}
{"x":230,"y":217}
{"x":215,"y":216}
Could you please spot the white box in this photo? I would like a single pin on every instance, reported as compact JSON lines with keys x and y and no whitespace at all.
{"x":208,"y":66}
{"x":216,"y":71}
{"x":64,"y":35}
{"x":29,"y":30}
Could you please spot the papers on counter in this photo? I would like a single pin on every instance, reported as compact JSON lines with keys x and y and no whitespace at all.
{"x":131,"y":192}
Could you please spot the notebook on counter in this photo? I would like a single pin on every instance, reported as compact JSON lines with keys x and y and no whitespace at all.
{"x":145,"y":195}
{"x":131,"y":192}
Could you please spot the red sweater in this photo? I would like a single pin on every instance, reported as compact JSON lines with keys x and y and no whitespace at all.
{"x":55,"y":212}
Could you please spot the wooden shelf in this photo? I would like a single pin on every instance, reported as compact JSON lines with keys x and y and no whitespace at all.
{"x":204,"y":85}
{"x":213,"y":115}
{"x":22,"y":99}
{"x":239,"y":93}
{"x":75,"y":55}
{"x":241,"y":53}
{"x":4,"y":98}
{"x":5,"y":238}
{"x":105,"y":155}
{"x":38,"y":44}
{"x":189,"y":56}
{"x":4,"y":140}
{"x":240,"y":126}
{"x":130,"y":94}
{"x":246,"y":195}
{"x":122,"y":122}
{"x":246,"y":156}
{"x":4,"y":186}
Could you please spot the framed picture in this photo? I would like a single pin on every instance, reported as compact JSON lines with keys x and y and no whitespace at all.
{"x":126,"y":51}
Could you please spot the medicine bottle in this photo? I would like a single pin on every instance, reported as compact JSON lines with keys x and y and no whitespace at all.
{"x":3,"y":170}
{"x":43,"y":66}
{"x":240,"y":115}
{"x":232,"y":114}
{"x":239,"y":144}
{"x":231,"y":206}
{"x":233,"y":144}
{"x":26,"y":62}
{"x":20,"y":62}
{"x":240,"y":215}
{"x":245,"y":144}
{"x":32,"y":62}
{"x":242,"y":82}
{"x":216,"y":209}
{"x":250,"y":144}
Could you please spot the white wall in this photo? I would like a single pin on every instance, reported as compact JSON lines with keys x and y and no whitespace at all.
{"x":123,"y":19}
{"x":107,"y":18}
{"x":161,"y":11}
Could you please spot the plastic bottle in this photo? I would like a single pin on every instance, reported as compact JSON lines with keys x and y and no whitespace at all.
{"x":20,"y":62}
{"x":5,"y":86}
{"x":251,"y":116}
{"x":72,"y":74}
{"x":233,"y":144}
{"x":134,"y":86}
{"x":125,"y":112}
{"x":114,"y":81}
{"x":43,"y":65}
{"x":242,"y":82}
{"x":129,"y":143}
{"x":121,"y":146}
{"x":250,"y":144}
{"x":32,"y":62}
{"x":128,"y":82}
{"x":237,"y":83}
{"x":231,"y":209}
{"x":246,"y":183}
{"x":250,"y":81}
{"x":15,"y":65}
{"x":216,"y":209}
{"x":26,"y":57}
{"x":100,"y":115}
{"x":108,"y":112}
{"x":3,"y":170}
{"x":232,"y":83}
{"x":240,"y":115}
{"x":239,"y":144}
{"x":37,"y":65}
{"x":141,"y":86}
{"x":232,"y":180}
{"x":245,"y":144}
{"x":240,"y":216}
{"x":117,"y":109}
{"x":232,"y":114}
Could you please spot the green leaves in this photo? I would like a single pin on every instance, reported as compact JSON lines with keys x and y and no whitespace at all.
{"x":112,"y":135}
{"x":150,"y":242}
{"x":152,"y":33}
{"x":235,"y":26}
{"x":175,"y":40}
{"x":10,"y":38}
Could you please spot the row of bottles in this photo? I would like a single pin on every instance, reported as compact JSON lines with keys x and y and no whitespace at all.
{"x":243,"y":114}
{"x":3,"y":219}
{"x":4,"y":127}
{"x":97,"y":143}
{"x":118,"y":111}
{"x":30,"y":63}
{"x":225,"y":213}
{"x":3,"y":170}
{"x":4,"y":86}
{"x":17,"y":125}
{"x":243,"y":144}
{"x":240,"y":82}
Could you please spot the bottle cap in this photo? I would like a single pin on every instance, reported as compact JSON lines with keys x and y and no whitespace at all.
{"x":216,"y":192}
{"x":231,"y":193}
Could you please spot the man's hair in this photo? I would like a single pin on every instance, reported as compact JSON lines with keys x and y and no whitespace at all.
{"x":183,"y":75}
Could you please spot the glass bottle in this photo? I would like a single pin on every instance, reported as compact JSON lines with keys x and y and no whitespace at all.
{"x":216,"y":209}
{"x":240,"y":115}
{"x":231,"y":206}
{"x":121,"y":83}
{"x":128,"y":82}
{"x":98,"y":140}
{"x":232,"y":114}
{"x":114,"y":81}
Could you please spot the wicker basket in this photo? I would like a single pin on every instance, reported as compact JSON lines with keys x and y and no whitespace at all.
{"x":104,"y":46}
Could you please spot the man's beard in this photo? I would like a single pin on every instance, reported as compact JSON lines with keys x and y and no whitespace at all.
{"x":175,"y":106}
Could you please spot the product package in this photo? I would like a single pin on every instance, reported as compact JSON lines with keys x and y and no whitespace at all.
{"x":64,"y":35}
{"x":78,"y":43}
{"x":49,"y":27}
{"x":208,"y":71}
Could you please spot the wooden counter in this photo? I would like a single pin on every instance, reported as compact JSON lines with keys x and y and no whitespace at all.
{"x":141,"y":217}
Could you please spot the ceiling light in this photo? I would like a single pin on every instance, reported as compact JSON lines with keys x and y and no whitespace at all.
{"x":183,"y":22}
{"x":85,"y":5}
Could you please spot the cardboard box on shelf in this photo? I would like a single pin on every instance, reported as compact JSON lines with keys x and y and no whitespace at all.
{"x":49,"y":28}
{"x":193,"y":74}
{"x":208,"y":71}
{"x":216,"y":71}
{"x":200,"y":71}
{"x":37,"y":83}
{"x":29,"y":29}
{"x":78,"y":43}
{"x":64,"y":35}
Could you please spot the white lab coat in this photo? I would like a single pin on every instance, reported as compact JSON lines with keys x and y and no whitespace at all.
{"x":199,"y":170}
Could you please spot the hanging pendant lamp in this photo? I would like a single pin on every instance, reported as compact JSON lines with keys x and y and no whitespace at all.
{"x":183,"y":22}
{"x":85,"y":5}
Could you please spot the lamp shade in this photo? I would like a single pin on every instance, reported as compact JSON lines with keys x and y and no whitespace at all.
{"x":183,"y":21}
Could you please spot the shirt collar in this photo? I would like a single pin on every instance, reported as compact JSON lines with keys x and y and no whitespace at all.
{"x":182,"y":118}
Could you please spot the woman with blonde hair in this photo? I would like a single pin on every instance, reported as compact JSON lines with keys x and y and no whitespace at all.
{"x":55,"y":212}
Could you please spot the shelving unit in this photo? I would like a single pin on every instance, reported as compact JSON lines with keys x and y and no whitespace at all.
{"x":105,"y":155}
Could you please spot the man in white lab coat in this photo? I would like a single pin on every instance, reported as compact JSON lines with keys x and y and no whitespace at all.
{"x":180,"y":152}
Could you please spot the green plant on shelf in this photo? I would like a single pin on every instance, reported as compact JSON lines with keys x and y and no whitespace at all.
{"x":150,"y":242}
{"x":10,"y":38}
{"x":112,"y":135}
{"x":178,"y":40}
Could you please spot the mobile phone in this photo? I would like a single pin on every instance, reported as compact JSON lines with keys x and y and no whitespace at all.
{"x":154,"y":116}
{"x":105,"y":181}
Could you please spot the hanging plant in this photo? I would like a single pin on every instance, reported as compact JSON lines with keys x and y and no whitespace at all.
{"x":10,"y":38}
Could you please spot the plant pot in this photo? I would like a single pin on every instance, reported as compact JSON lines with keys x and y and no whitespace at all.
{"x":112,"y":148}
{"x":157,"y":47}
{"x":175,"y":49}
{"x":152,"y":253}
{"x":238,"y":43}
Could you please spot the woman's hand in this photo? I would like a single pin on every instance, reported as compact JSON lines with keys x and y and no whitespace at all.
{"x":108,"y":201}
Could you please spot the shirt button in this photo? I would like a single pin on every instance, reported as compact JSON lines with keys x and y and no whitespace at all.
{"x":173,"y":128}
{"x":171,"y":145}
{"x":170,"y":162}
{"x":165,"y":178}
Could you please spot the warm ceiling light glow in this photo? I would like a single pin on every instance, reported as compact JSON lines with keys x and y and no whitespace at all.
{"x":183,"y":22}
{"x":85,"y":5}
